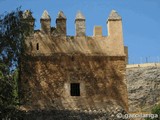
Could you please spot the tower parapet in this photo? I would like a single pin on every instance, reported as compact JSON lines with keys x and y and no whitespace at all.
{"x":80,"y":24}
{"x":27,"y":17}
{"x":45,"y":22}
{"x":59,"y":73}
{"x":115,"y":33}
{"x":97,"y":32}
{"x":114,"y":24}
{"x":61,"y":24}
{"x":114,"y":16}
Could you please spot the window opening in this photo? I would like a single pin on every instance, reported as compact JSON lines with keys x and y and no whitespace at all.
{"x":37,"y":46}
{"x":75,"y":89}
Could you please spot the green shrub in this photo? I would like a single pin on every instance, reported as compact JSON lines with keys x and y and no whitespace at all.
{"x":155,"y":110}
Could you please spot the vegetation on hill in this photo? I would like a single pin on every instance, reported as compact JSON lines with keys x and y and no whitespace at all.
{"x":155,"y":110}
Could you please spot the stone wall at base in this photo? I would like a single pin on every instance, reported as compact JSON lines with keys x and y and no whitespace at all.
{"x":72,"y":115}
{"x":46,"y":82}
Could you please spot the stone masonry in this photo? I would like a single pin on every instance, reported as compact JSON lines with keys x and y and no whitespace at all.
{"x":74,"y":73}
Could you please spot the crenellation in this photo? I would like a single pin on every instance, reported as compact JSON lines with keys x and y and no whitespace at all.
{"x":109,"y":45}
{"x":114,"y":16}
{"x":80,"y":25}
{"x":115,"y":32}
{"x":45,"y":15}
{"x":61,"y":24}
{"x":27,"y":17}
{"x":61,"y":15}
{"x":97,"y":32}
{"x":74,"y":73}
{"x":27,"y":14}
{"x":45,"y":22}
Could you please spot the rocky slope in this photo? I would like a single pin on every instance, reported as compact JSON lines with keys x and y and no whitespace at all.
{"x":143,"y":88}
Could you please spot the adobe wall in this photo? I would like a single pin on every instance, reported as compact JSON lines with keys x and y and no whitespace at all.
{"x":45,"y":82}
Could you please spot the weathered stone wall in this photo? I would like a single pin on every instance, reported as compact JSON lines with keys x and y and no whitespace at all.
{"x":71,"y":115}
{"x":97,"y":31}
{"x":143,"y":85}
{"x":57,"y":41}
{"x":126,"y":53}
{"x":61,"y":26}
{"x":45,"y":82}
{"x":46,"y":26}
{"x":50,"y":44}
{"x":80,"y":28}
{"x":54,"y":60}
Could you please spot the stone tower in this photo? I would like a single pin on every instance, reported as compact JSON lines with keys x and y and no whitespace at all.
{"x":61,"y":24}
{"x":115,"y":32}
{"x":82,"y":76}
{"x":27,"y":17}
{"x":45,"y":22}
{"x":80,"y":24}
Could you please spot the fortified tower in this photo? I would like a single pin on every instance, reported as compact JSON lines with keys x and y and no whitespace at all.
{"x":45,"y":23}
{"x":74,"y":73}
{"x":80,"y":25}
{"x":61,"y":24}
{"x":27,"y":17}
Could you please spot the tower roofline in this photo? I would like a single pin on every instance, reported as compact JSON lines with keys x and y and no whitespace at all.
{"x":61,"y":15}
{"x":80,"y":16}
{"x":27,"y":14}
{"x":45,"y":15}
{"x":114,"y":16}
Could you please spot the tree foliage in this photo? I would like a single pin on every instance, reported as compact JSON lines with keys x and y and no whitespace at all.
{"x":13,"y":31}
{"x":12,"y":35}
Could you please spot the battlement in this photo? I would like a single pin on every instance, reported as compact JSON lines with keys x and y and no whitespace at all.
{"x":49,"y":40}
{"x":61,"y":72}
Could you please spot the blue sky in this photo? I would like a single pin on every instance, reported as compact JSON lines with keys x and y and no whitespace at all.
{"x":141,"y":20}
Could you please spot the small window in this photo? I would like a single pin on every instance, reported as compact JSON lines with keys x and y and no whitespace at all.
{"x":37,"y":46}
{"x":75,"y":89}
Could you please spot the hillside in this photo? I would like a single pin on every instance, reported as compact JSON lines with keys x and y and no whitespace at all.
{"x":143,"y":84}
